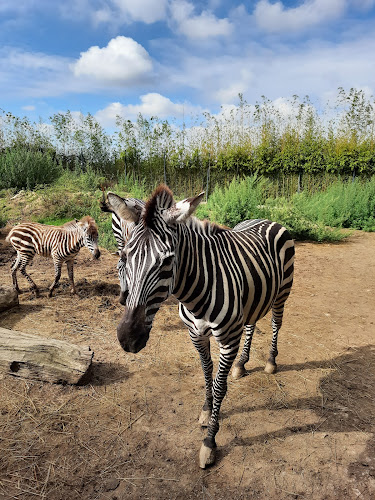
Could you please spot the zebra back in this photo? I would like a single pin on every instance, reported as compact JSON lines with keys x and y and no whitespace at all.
{"x":63,"y":241}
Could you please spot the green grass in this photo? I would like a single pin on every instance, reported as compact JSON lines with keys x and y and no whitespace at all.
{"x":317,"y":217}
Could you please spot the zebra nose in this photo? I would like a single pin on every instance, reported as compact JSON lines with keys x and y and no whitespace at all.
{"x":123,"y":296}
{"x":132,"y":332}
{"x":97,"y":253}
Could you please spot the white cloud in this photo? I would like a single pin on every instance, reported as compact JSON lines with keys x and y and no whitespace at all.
{"x":123,"y":61}
{"x":205,"y":25}
{"x":115,"y":12}
{"x":152,"y":104}
{"x":28,"y":108}
{"x":147,"y":11}
{"x":276,"y":18}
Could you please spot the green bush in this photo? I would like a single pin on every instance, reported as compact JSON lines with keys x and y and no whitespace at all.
{"x":21,"y":168}
{"x":246,"y":199}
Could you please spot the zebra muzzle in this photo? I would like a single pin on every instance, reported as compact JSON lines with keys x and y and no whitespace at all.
{"x":132,"y":331}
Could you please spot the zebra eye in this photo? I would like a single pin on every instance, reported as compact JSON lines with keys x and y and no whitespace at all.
{"x":166,"y":259}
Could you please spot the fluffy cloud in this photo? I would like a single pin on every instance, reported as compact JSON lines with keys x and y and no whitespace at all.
{"x":275,"y":18}
{"x":115,"y":12}
{"x":147,"y":11}
{"x":205,"y":25}
{"x":152,"y":104}
{"x":123,"y":61}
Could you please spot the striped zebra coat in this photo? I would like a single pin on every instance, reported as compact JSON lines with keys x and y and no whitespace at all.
{"x":122,"y":228}
{"x":62,"y":243}
{"x":224,"y":279}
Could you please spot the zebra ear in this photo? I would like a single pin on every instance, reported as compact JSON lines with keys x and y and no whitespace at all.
{"x":182,"y":210}
{"x":126,"y":209}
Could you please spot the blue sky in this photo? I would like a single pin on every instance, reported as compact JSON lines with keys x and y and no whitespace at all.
{"x":173,"y":58}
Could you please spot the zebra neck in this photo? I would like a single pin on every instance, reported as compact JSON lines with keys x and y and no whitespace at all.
{"x":78,"y":235}
{"x":194,"y":278}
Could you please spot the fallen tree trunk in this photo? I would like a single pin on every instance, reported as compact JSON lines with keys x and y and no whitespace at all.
{"x":30,"y":356}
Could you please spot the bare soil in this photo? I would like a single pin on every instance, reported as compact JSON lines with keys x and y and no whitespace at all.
{"x":132,"y":432}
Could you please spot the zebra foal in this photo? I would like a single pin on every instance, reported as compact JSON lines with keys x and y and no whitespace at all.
{"x":62,"y":243}
{"x":224,"y":280}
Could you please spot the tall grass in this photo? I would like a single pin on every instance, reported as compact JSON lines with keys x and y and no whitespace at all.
{"x":319,"y":216}
{"x":21,"y":168}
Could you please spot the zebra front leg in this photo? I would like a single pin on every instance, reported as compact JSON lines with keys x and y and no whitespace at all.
{"x":271,"y":366}
{"x":239,"y":366}
{"x":69,"y":265}
{"x":57,"y":265}
{"x":207,"y":454}
{"x":202,"y":345}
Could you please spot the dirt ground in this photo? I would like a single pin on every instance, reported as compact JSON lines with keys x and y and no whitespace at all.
{"x":132,"y":432}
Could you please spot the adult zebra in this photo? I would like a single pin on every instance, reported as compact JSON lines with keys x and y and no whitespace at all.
{"x":224,"y":279}
{"x":62,"y":243}
{"x":122,"y":227}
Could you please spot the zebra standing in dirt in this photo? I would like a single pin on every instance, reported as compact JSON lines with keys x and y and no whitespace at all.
{"x":62,"y":243}
{"x":223,"y":278}
{"x":122,"y":228}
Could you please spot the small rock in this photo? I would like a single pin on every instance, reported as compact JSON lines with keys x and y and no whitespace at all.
{"x":111,"y":484}
{"x":8,"y":298}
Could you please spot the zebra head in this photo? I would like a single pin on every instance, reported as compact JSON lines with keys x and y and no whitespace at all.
{"x":129,"y":210}
{"x":151,"y":264}
{"x":90,"y":235}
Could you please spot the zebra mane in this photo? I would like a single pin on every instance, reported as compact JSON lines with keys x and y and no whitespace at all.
{"x":92,"y":228}
{"x":161,"y":199}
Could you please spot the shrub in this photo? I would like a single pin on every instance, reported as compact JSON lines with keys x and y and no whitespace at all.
{"x":22,"y":168}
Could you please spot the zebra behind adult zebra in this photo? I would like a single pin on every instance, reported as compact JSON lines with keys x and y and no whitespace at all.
{"x":122,"y":228}
{"x":62,"y":243}
{"x":223,"y":278}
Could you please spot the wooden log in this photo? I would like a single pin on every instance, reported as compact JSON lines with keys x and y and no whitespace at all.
{"x":30,"y":356}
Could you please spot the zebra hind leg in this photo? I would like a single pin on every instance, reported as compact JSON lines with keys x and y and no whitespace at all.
{"x":22,"y":267}
{"x":277,"y":318}
{"x":14,"y":269}
{"x":239,"y":369}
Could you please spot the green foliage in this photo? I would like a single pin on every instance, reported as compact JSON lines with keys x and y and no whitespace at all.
{"x":343,"y":204}
{"x":22,"y":168}
{"x":236,"y":202}
{"x":246,"y":199}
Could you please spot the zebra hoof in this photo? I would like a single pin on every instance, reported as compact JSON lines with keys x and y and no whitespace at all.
{"x":270,"y":368}
{"x":205,"y":418}
{"x":238,"y":372}
{"x":207,"y":456}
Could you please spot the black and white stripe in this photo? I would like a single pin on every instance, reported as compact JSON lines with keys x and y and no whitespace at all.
{"x":121,"y":228}
{"x":62,"y":243}
{"x":224,"y":279}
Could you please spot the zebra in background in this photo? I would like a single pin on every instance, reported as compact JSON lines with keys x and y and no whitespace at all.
{"x":122,"y":228}
{"x":224,"y":279}
{"x":62,"y":243}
